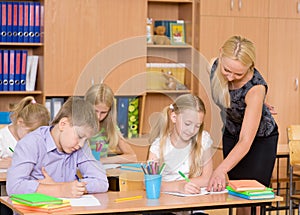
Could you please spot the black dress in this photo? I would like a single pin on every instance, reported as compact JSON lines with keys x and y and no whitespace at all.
{"x":258,"y":163}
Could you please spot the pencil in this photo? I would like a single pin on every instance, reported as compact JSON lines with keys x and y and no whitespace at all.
{"x":128,"y":198}
{"x":77,"y":177}
{"x":11,"y":149}
{"x":184,"y":176}
{"x":162,"y":168}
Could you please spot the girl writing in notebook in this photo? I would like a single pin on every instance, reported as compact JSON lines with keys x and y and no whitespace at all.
{"x":179,"y":141}
{"x":109,"y":138}
{"x":47,"y":159}
{"x":26,"y":116}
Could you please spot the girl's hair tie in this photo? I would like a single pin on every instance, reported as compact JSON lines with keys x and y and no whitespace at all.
{"x":33,"y":101}
{"x":171,"y":107}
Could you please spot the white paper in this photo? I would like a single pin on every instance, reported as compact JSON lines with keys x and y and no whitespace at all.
{"x":111,"y":166}
{"x":202,"y":192}
{"x":3,"y":170}
{"x":85,"y":200}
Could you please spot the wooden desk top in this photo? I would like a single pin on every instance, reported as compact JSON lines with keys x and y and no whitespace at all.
{"x":165,"y":202}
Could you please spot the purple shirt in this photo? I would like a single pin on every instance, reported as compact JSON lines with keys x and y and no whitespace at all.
{"x":37,"y":150}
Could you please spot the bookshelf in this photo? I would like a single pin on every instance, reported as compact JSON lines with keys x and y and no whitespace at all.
{"x":186,"y":10}
{"x":12,"y":97}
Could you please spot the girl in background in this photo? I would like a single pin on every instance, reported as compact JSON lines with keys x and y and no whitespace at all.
{"x":25,"y":117}
{"x":179,"y":141}
{"x":109,"y":138}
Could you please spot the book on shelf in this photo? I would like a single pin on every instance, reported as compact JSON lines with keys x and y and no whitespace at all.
{"x":128,"y":115}
{"x":160,"y":74}
{"x":168,"y":26}
{"x":31,"y":72}
{"x":246,"y":185}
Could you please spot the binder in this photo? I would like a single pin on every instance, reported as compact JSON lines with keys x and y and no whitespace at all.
{"x":17,"y":69}
{"x":1,"y":70}
{"x":133,"y":117}
{"x":122,"y":114}
{"x":21,"y":22}
{"x":3,"y":21}
{"x":5,"y":69}
{"x":26,"y":23}
{"x":31,"y":23}
{"x":11,"y":77}
{"x":9,"y":22}
{"x":37,"y":22}
{"x":15,"y":22}
{"x":56,"y":104}
{"x":31,"y":72}
{"x":23,"y":70}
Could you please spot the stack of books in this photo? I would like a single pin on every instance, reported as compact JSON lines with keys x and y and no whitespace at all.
{"x":249,"y":189}
{"x":39,"y":202}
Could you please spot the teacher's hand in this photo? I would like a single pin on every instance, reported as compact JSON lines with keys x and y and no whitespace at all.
{"x":217,"y":181}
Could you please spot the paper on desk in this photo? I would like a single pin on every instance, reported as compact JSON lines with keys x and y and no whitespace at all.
{"x":202,"y":192}
{"x":85,"y":200}
{"x":111,"y":166}
{"x":3,"y":170}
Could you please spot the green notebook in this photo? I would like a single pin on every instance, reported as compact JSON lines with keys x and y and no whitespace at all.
{"x":266,"y":191}
{"x":35,"y":199}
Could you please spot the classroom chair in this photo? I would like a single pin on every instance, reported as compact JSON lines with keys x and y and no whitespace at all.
{"x":293,"y":132}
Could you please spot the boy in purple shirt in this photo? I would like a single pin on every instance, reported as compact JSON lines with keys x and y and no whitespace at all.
{"x":47,"y":160}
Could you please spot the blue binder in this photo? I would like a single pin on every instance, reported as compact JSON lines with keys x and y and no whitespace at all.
{"x":3,"y":21}
{"x":31,"y":23}
{"x":23,"y":70}
{"x":26,"y":23}
{"x":11,"y":76}
{"x":9,"y":30}
{"x":122,"y":114}
{"x":17,"y":70}
{"x":5,"y":69}
{"x":37,"y":21}
{"x":1,"y":70}
{"x":15,"y":21}
{"x":21,"y":22}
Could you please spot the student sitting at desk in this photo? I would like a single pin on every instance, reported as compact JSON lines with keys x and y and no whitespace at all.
{"x":109,"y":137}
{"x":47,"y":160}
{"x":25,"y":116}
{"x":180,"y":142}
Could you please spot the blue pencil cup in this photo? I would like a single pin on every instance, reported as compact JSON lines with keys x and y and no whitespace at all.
{"x":153,"y":184}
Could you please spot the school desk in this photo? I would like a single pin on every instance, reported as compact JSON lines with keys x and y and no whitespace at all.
{"x":167,"y":203}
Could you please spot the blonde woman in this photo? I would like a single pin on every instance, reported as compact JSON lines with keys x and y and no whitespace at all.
{"x":250,"y":133}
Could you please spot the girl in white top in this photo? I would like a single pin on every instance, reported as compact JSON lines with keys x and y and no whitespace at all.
{"x":25,"y":116}
{"x":178,"y":140}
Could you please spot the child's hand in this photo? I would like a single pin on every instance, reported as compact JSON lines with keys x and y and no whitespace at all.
{"x":190,"y":187}
{"x":47,"y":179}
{"x":75,"y":189}
{"x":5,"y":162}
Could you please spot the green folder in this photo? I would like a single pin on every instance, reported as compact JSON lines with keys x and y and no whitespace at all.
{"x":267,"y":191}
{"x":35,"y":199}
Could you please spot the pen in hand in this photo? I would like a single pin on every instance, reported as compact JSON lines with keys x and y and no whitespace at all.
{"x":184,"y":176}
{"x":77,"y":178}
{"x":11,"y":149}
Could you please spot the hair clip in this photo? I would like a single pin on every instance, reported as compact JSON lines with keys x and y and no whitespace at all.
{"x":33,"y":101}
{"x":171,"y":107}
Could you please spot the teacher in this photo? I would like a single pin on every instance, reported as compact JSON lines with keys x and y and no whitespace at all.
{"x":250,"y":133}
